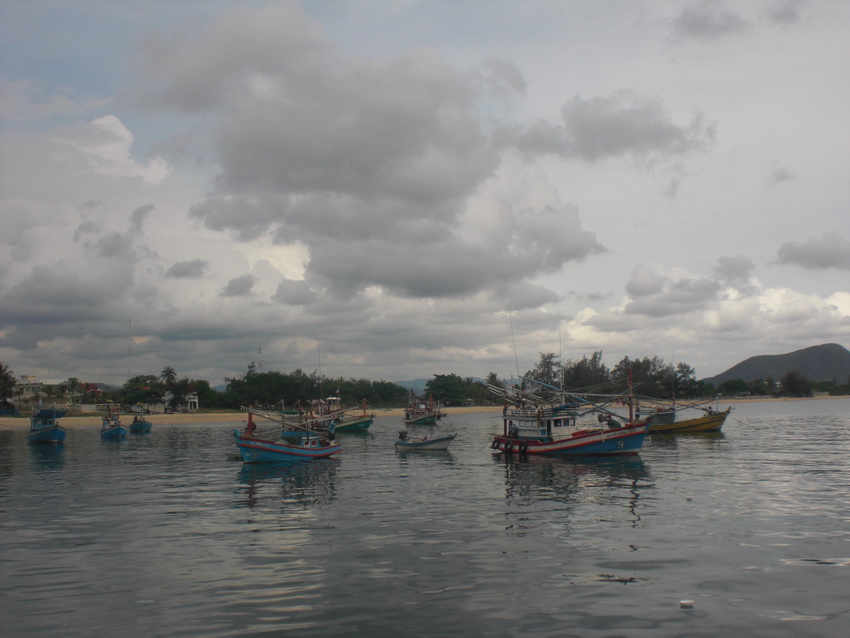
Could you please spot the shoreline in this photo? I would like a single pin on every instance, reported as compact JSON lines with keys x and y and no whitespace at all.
{"x":22,"y":423}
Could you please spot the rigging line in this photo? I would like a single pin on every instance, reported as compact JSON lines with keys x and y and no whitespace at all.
{"x":513,"y":338}
{"x":561,"y":361}
{"x":319,"y":357}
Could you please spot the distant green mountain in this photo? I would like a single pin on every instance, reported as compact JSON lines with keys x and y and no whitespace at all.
{"x":826,"y":362}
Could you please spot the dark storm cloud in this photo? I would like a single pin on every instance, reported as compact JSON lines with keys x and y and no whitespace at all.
{"x":623,"y":124}
{"x":138,"y":217}
{"x":70,"y":300}
{"x":708,"y":20}
{"x":734,"y":269}
{"x":114,"y":245}
{"x":239,"y":286}
{"x":295,"y":293}
{"x":206,"y":69}
{"x":644,"y":283}
{"x":829,"y":251}
{"x":736,"y":272}
{"x":192,"y":269}
{"x":369,"y":164}
{"x":656,"y":295}
{"x":785,"y":11}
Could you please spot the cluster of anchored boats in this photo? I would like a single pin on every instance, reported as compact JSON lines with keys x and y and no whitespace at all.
{"x":45,"y":428}
{"x":559,"y":424}
{"x":562,"y":423}
{"x":546,"y":421}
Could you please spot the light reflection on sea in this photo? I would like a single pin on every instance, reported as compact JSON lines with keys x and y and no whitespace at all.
{"x":162,"y":535}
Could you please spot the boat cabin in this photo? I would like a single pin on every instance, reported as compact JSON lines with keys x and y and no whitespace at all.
{"x":542,"y":423}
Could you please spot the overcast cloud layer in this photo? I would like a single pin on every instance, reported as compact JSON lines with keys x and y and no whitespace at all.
{"x":396,"y":190}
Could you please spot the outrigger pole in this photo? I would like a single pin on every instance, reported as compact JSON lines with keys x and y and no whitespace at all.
{"x":595,"y":405}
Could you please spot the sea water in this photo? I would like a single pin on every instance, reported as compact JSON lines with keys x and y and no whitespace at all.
{"x":741,"y":533}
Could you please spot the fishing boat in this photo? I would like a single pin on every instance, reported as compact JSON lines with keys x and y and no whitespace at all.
{"x":668,"y":422}
{"x":533,"y":425}
{"x":307,"y":446}
{"x":111,"y":428}
{"x":404,"y":442}
{"x":140,"y":424}
{"x":45,"y":428}
{"x":345,"y":422}
{"x":421,"y":413}
{"x":321,"y":413}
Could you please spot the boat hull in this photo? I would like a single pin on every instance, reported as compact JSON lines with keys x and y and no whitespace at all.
{"x":254,"y":450}
{"x":709,"y":423}
{"x":114,"y":433}
{"x":441,"y":443}
{"x":54,"y":434}
{"x":355,"y":424}
{"x":427,"y":419}
{"x":619,"y":441}
{"x":140,"y":427}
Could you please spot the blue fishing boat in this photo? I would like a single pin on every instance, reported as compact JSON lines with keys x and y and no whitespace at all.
{"x":111,"y":428}
{"x":140,"y":424}
{"x":44,"y":426}
{"x":536,"y":426}
{"x":306,"y":446}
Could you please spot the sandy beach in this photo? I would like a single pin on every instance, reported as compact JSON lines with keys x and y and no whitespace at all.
{"x":22,"y":423}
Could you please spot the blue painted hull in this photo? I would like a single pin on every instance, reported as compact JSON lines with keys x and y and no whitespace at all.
{"x":427,"y":419}
{"x":140,"y":427}
{"x":114,"y":434}
{"x":254,"y":450}
{"x":54,"y":434}
{"x":355,"y":424}
{"x":625,"y":440}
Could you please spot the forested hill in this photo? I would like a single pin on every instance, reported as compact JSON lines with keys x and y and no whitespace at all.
{"x":826,"y":362}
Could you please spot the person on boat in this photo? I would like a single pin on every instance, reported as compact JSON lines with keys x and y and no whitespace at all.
{"x":332,"y":430}
{"x":513,"y":430}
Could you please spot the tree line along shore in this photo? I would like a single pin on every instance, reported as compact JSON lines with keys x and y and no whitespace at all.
{"x":237,"y":418}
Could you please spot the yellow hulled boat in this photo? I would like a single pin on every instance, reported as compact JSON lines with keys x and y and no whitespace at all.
{"x":712,"y":421}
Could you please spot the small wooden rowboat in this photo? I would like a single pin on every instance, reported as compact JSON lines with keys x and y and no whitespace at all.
{"x":711,"y":422}
{"x":423,"y":443}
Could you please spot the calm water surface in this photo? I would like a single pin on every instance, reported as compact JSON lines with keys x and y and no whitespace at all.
{"x":162,"y":535}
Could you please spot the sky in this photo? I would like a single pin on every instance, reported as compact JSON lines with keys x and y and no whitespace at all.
{"x":392,"y":189}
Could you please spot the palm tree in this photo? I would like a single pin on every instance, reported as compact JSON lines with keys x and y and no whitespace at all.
{"x":168,"y":376}
{"x":73,"y":385}
{"x":7,"y":382}
{"x":169,"y":380}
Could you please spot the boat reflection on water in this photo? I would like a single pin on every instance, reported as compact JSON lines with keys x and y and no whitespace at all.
{"x":704,"y":440}
{"x":577,"y":481}
{"x":310,"y":483}
{"x":47,"y":457}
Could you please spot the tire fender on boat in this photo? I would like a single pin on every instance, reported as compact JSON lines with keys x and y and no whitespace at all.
{"x":494,"y":445}
{"x":509,"y":446}
{"x":523,"y":447}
